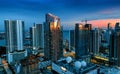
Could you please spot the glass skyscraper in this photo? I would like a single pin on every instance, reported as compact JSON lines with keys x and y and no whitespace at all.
{"x":95,"y":41}
{"x":53,"y":38}
{"x":82,"y":40}
{"x":36,"y":34}
{"x":114,"y":52}
{"x":14,"y":35}
{"x":117,"y":44}
{"x":14,"y":30}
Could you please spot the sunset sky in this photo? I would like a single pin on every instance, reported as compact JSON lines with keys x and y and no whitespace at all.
{"x":97,"y":12}
{"x":104,"y":22}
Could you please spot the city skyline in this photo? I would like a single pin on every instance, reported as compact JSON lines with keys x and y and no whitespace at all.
{"x":32,"y":11}
{"x":49,"y":49}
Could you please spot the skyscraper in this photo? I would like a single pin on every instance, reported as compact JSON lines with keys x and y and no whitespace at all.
{"x":36,"y":34}
{"x":14,"y":30}
{"x":111,"y":49}
{"x":53,"y":38}
{"x":106,"y":34}
{"x":88,"y":27}
{"x":82,"y":40}
{"x":109,"y":26}
{"x":95,"y":41}
{"x":114,"y":55}
{"x":117,"y":44}
{"x":71,"y":39}
{"x":66,"y":39}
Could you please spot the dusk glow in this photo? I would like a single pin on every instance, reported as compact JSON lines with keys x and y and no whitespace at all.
{"x":59,"y":36}
{"x":69,"y":11}
{"x":103,"y":23}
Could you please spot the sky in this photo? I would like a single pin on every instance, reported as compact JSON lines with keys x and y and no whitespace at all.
{"x":97,"y":12}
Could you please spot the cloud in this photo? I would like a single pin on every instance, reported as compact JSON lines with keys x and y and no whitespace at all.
{"x":108,"y":11}
{"x":67,"y":10}
{"x":102,"y":23}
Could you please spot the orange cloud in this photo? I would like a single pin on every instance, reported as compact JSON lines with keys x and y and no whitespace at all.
{"x":103,"y":23}
{"x":106,"y":12}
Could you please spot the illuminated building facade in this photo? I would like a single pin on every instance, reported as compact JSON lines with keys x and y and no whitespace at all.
{"x":53,"y":38}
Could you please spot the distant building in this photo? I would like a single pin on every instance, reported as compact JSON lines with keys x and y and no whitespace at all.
{"x":82,"y":40}
{"x":53,"y":38}
{"x":88,"y":27}
{"x":72,"y":39}
{"x":95,"y":41}
{"x":114,"y":56}
{"x":37,"y":39}
{"x":117,"y":44}
{"x":109,"y":26}
{"x":107,"y":34}
{"x":117,"y":48}
{"x":69,"y":39}
{"x":14,"y":30}
{"x":117,"y":26}
{"x":111,"y":49}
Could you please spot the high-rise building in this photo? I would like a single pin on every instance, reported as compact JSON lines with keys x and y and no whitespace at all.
{"x":14,"y":30}
{"x":117,"y":44}
{"x":88,"y":27}
{"x":36,"y":34}
{"x":66,"y":39}
{"x":14,"y":35}
{"x":109,"y":26}
{"x":114,"y":55}
{"x":107,"y":33}
{"x":95,"y":41}
{"x":53,"y":38}
{"x":82,"y":40}
{"x":111,"y":49}
{"x":69,"y":39}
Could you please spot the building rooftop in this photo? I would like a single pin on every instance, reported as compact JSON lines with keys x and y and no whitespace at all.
{"x":70,"y":68}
